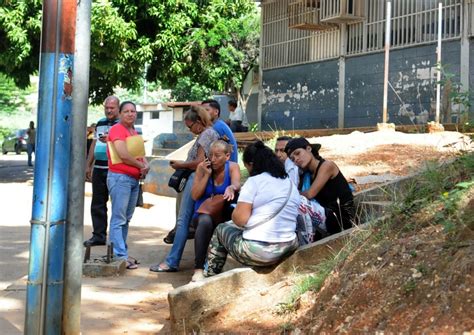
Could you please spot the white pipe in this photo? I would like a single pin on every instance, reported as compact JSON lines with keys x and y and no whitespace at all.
{"x":387,"y":57}
{"x":438,"y":51}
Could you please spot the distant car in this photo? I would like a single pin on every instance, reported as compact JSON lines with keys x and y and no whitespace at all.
{"x":15,"y":142}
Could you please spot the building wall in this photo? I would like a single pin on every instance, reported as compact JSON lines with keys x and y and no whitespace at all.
{"x":300,"y":97}
{"x":310,"y":92}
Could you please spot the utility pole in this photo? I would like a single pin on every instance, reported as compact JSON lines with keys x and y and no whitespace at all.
{"x":44,"y":295}
{"x":71,"y":313}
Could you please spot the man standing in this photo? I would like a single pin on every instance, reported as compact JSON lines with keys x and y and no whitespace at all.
{"x":290,"y":167}
{"x":237,"y":118}
{"x":214,"y":110}
{"x":30,"y":145}
{"x":97,"y":169}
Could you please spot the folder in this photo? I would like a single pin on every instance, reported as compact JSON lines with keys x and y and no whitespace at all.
{"x":135,"y":147}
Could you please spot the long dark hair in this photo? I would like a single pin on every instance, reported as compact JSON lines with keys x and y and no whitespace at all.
{"x":263,"y":159}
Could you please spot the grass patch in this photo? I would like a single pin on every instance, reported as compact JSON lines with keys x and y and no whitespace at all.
{"x":433,"y":197}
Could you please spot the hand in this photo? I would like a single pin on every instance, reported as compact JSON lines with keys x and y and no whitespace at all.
{"x":204,"y":168}
{"x":175,"y":164}
{"x":103,"y":138}
{"x":229,"y":193}
{"x":89,"y":174}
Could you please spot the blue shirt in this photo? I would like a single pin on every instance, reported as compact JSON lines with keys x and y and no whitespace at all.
{"x":223,"y":129}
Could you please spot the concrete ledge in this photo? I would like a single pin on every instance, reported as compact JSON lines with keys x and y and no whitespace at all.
{"x":191,"y":303}
{"x":102,"y":269}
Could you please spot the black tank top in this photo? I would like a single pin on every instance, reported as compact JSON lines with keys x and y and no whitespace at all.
{"x":334,"y":188}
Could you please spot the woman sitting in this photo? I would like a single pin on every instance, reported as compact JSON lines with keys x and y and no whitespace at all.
{"x":264,"y":220}
{"x":215,"y":176}
{"x":323,"y":181}
{"x":198,"y":122}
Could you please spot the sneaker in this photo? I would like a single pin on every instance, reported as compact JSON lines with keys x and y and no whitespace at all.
{"x":198,"y":275}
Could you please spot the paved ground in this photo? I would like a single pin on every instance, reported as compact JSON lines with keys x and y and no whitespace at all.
{"x":134,"y":303}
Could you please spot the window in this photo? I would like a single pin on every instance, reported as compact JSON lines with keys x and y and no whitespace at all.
{"x":155,"y":115}
{"x":139,"y":120}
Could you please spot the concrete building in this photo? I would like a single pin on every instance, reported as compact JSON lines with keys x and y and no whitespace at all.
{"x":322,"y":61}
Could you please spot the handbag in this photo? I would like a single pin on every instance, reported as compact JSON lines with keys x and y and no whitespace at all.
{"x":179,"y":178}
{"x":215,"y":206}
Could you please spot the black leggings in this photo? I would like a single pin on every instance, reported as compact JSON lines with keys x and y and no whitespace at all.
{"x":204,"y":230}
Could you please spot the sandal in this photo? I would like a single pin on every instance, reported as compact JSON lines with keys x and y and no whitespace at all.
{"x":169,"y":239}
{"x":133,"y":260}
{"x":131,"y":265}
{"x":162,"y":267}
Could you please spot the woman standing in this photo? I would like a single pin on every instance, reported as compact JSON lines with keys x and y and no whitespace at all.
{"x":323,"y":181}
{"x":216,"y":175}
{"x":198,"y":122}
{"x":264,"y":221}
{"x":126,"y":167}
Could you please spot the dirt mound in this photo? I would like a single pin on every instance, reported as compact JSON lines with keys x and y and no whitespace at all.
{"x":413,"y":273}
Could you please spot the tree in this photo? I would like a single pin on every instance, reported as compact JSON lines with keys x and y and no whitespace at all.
{"x":213,"y":43}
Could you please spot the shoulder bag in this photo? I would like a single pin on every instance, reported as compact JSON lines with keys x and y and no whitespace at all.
{"x":179,"y":179}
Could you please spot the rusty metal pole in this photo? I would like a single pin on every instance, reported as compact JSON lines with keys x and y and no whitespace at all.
{"x":387,"y":57}
{"x":438,"y":61}
{"x":75,"y":217}
{"x":48,"y":223}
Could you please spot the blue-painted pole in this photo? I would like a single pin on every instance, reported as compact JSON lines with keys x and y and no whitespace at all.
{"x":46,"y":264}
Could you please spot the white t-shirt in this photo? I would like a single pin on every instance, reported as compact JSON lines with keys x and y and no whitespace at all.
{"x":239,"y":115}
{"x":267,"y":194}
{"x":293,"y":171}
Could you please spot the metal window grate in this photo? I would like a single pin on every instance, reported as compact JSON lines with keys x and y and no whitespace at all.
{"x":413,"y":22}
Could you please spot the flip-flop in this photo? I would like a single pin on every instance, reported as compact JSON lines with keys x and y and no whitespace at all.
{"x":158,"y":268}
{"x":131,"y":265}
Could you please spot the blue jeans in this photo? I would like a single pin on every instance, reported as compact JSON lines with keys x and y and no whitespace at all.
{"x":123,"y":191}
{"x":30,"y":149}
{"x":186,"y":211}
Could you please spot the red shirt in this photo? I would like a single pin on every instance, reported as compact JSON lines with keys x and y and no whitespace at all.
{"x":120,"y":132}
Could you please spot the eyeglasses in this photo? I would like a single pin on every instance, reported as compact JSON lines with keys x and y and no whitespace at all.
{"x":190,"y":127}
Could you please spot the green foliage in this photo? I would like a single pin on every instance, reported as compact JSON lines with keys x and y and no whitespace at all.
{"x":12,"y":98}
{"x":186,"y":90}
{"x":212,"y":43}
{"x":409,"y":286}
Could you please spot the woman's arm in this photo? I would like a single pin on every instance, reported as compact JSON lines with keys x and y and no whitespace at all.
{"x":146,"y":167}
{"x":203,"y":173}
{"x":122,"y":152}
{"x":327,"y":171}
{"x":192,"y":165}
{"x":234,"y":187}
{"x":241,"y":213}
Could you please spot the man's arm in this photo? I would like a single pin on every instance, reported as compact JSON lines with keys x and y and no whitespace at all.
{"x":90,"y":161}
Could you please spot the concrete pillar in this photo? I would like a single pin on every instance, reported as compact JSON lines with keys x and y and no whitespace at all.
{"x":342,"y":76}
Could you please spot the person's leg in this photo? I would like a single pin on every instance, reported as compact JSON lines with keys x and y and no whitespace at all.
{"x":224,"y":235}
{"x":100,"y":196}
{"x":182,"y":225}
{"x":120,"y":191}
{"x":29,"y":151}
{"x":169,"y":238}
{"x":130,"y":208}
{"x":204,"y":230}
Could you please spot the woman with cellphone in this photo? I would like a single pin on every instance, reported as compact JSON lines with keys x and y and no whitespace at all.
{"x":215,"y":175}
{"x":198,"y":122}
